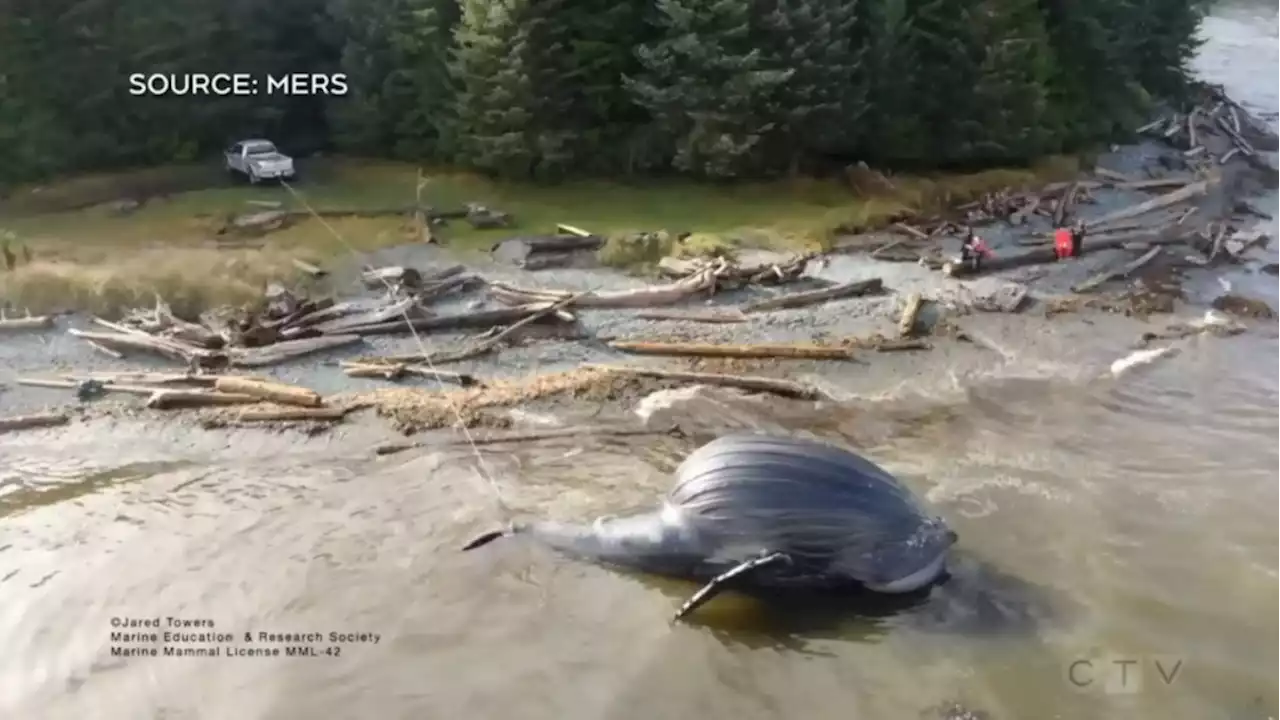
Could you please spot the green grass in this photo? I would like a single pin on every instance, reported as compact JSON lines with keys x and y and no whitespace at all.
{"x":92,"y":257}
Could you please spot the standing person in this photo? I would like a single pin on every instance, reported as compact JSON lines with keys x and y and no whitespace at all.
{"x":1064,"y":243}
{"x":1077,"y":238}
{"x":972,"y":251}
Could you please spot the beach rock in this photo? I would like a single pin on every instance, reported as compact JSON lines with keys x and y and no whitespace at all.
{"x":485,"y":218}
{"x":123,"y":207}
{"x":996,"y":295}
{"x":1241,"y":306}
{"x":259,"y":222}
{"x":513,"y":251}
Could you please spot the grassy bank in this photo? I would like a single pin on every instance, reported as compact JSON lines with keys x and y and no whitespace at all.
{"x":86,"y":255}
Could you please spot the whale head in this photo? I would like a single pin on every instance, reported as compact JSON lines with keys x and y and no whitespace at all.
{"x":904,"y":567}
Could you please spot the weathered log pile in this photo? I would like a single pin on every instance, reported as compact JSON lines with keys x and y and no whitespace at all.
{"x":1211,"y":134}
{"x":732,"y":275}
{"x":921,"y":239}
{"x":1215,"y":131}
{"x":250,"y":338}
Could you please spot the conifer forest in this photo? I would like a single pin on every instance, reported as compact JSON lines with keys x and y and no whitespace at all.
{"x":551,"y":89}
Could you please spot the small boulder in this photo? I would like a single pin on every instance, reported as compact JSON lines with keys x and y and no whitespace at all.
{"x":995,"y":295}
{"x":484,"y":218}
{"x":123,"y":207}
{"x":1244,"y":307}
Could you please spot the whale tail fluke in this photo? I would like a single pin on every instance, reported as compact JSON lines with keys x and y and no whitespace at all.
{"x":486,"y":538}
{"x":725,"y":581}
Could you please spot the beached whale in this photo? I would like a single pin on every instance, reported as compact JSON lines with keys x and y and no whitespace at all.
{"x":770,"y":512}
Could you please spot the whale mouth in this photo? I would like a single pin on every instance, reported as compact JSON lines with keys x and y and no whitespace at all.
{"x":915,"y":580}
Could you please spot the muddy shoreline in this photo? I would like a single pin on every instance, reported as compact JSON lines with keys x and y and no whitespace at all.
{"x":961,"y":338}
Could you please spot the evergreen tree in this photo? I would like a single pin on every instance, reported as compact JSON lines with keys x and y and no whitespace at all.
{"x":395,"y":57}
{"x":945,"y":46}
{"x":513,"y":97}
{"x":710,"y":93}
{"x":892,"y":72}
{"x":594,"y":51}
{"x":1159,"y":41}
{"x":545,"y":88}
{"x":1093,"y":94}
{"x":1011,"y":107}
{"x":824,"y":98}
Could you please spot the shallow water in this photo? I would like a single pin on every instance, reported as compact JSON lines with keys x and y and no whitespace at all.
{"x":1106,"y":527}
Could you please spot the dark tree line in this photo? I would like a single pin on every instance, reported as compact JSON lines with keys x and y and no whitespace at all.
{"x":550,"y":88}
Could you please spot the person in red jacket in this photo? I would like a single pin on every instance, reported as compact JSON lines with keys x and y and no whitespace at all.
{"x":1064,"y":244}
{"x":973,"y":250}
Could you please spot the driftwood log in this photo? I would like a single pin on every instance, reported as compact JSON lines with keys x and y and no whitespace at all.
{"x":406,"y":307}
{"x":154,"y":378}
{"x":478,"y":319}
{"x":566,"y":242}
{"x":269,"y":391}
{"x":306,"y":267}
{"x":41,"y":322}
{"x":547,"y":260}
{"x":122,"y":388}
{"x":396,"y":371}
{"x":1182,"y":194}
{"x":481,"y":348}
{"x":789,"y":351}
{"x":288,"y":350}
{"x":785,"y":388}
{"x":813,"y":297}
{"x":184,"y":399}
{"x":1063,"y":206}
{"x":1117,"y":273}
{"x":433,"y":289}
{"x":31,"y":422}
{"x":668,"y":294}
{"x":173,"y":350}
{"x":910,"y":313}
{"x":100,"y":348}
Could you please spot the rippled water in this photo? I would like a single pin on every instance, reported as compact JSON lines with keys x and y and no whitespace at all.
{"x":1100,"y":523}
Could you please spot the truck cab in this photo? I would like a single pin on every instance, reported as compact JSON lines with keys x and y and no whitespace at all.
{"x":258,"y":160}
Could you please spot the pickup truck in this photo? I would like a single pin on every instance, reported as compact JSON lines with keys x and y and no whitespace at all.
{"x":259,"y":160}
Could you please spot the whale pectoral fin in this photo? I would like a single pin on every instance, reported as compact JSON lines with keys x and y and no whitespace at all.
{"x":721,"y":582}
{"x":485,"y":539}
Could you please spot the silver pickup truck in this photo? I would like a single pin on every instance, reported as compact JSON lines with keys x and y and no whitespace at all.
{"x":259,"y":160}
